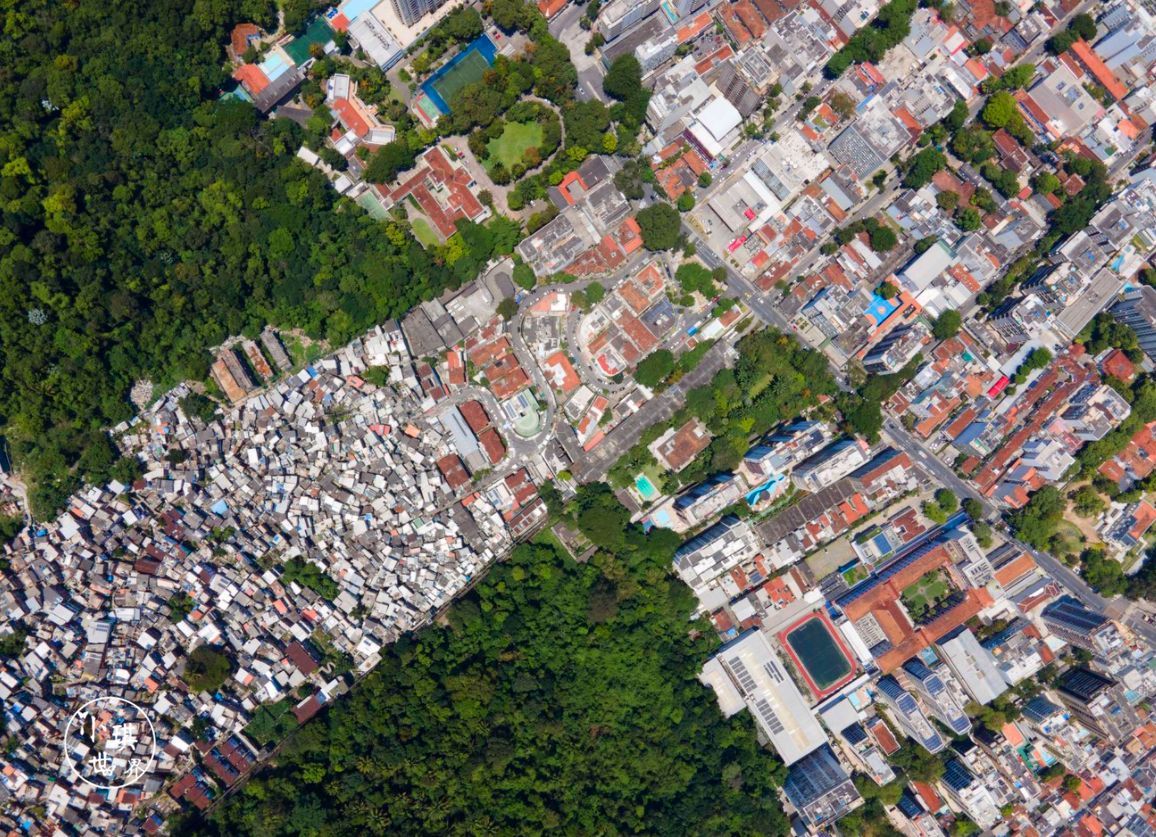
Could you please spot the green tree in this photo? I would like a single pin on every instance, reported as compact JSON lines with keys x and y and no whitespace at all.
{"x":1083,"y":26}
{"x":967,"y":219}
{"x":660,"y":226}
{"x":1036,"y":522}
{"x":947,"y":201}
{"x":947,"y":500}
{"x":923,"y":166}
{"x":507,"y":308}
{"x":524,"y":277}
{"x":195,"y":405}
{"x":12,"y":643}
{"x":206,"y":669}
{"x":947,"y":325}
{"x":686,"y":201}
{"x":1104,"y":574}
{"x":983,"y":535}
{"x":655,"y":368}
{"x":624,"y":78}
{"x":1000,"y":109}
{"x":958,"y":116}
{"x":883,"y":239}
{"x":387,"y":161}
{"x":1086,"y":501}
{"x":11,"y":525}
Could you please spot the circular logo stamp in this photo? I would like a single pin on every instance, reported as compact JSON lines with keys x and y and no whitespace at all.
{"x":109,"y":743}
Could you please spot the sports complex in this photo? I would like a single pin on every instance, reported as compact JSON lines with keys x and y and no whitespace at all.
{"x":464,"y":69}
{"x":814,"y":646}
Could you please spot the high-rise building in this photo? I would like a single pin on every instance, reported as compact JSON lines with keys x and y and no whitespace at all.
{"x":916,"y":821}
{"x":708,"y":498}
{"x":829,"y":465}
{"x":619,"y":15}
{"x":1050,"y":723}
{"x":716,"y":550}
{"x":894,"y":351}
{"x":411,"y":11}
{"x":1019,"y":651}
{"x":1098,"y":703}
{"x":685,"y":7}
{"x":783,"y":449}
{"x":970,"y":795}
{"x":906,"y":712}
{"x":819,"y":788}
{"x":1138,"y":310}
{"x":937,"y":697}
{"x":1083,"y":628}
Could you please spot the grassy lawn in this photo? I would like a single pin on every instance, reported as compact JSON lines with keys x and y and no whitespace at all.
{"x":1068,"y":540}
{"x":301,"y":354}
{"x":654,"y":474}
{"x":424,"y":233}
{"x":513,"y":142}
{"x":854,"y":575}
{"x":925,"y":594}
{"x":546,"y":537}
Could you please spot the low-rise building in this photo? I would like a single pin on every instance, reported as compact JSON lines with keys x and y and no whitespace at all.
{"x":747,"y":674}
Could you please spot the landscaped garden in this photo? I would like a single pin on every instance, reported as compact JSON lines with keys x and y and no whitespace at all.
{"x":925,"y":595}
{"x":512,"y":145}
{"x":510,"y":148}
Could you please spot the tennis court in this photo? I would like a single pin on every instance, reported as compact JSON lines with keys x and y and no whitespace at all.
{"x":464,"y":69}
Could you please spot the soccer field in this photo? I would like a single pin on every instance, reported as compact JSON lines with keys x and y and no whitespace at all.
{"x":467,"y":71}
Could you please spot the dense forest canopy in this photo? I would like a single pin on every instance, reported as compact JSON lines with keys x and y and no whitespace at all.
{"x":561,"y":699}
{"x":142,"y":222}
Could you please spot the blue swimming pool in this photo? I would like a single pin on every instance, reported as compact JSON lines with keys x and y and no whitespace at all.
{"x":645,"y":487}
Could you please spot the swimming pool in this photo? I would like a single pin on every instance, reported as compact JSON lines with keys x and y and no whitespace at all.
{"x":645,"y":487}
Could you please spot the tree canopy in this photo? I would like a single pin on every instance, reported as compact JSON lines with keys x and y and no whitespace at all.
{"x":559,"y":698}
{"x":654,"y":369}
{"x":660,"y":226}
{"x":871,"y":42}
{"x":947,"y":325}
{"x":144,"y":220}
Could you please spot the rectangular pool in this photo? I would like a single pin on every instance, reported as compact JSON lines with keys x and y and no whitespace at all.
{"x":645,"y":487}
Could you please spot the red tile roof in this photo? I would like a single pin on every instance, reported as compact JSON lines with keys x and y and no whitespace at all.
{"x":1087,"y":56}
{"x":351,"y":117}
{"x":1118,"y":366}
{"x":475,"y":415}
{"x":239,"y":37}
{"x":435,"y":169}
{"x":491,"y":443}
{"x":251,"y":78}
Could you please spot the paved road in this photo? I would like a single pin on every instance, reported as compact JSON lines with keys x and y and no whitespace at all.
{"x":597,"y":462}
{"x":1054,"y":567}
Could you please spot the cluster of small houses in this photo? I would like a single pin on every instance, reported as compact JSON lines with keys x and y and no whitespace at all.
{"x":356,"y":480}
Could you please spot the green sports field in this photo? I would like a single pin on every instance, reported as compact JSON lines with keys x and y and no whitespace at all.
{"x":467,"y":71}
